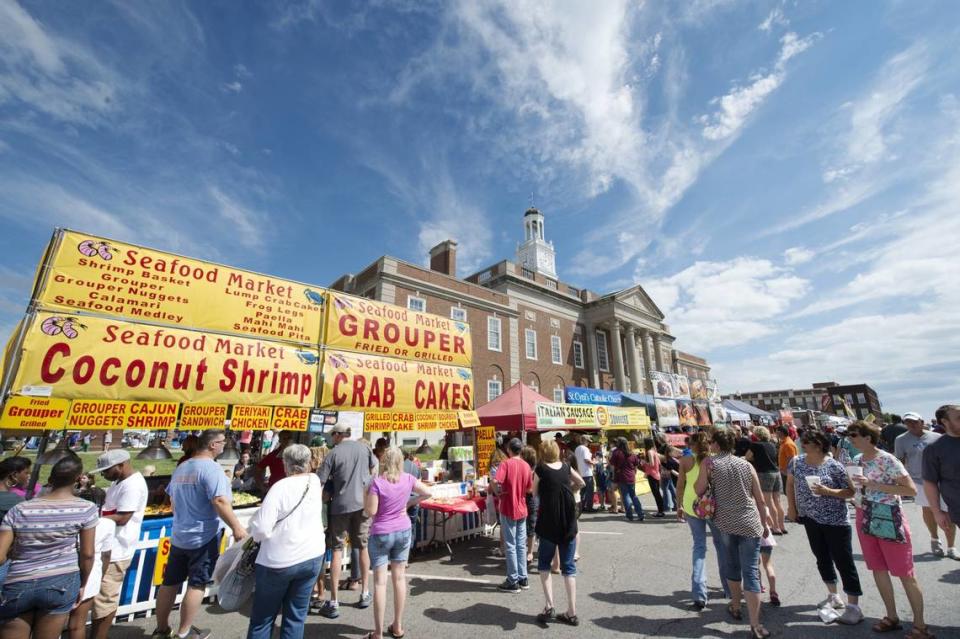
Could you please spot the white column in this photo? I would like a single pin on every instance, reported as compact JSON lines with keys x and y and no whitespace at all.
{"x":658,"y":352}
{"x":617,"y":356}
{"x":636,"y":382}
{"x":592,"y":365}
{"x":647,"y":361}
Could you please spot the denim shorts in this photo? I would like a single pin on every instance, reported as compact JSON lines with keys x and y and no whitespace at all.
{"x":48,"y":595}
{"x":568,"y":565}
{"x":390,"y":547}
{"x":193,"y":565}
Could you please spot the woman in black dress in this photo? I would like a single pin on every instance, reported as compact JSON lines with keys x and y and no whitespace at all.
{"x":554,"y":483}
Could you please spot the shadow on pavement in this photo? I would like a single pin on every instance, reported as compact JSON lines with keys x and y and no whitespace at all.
{"x":482,"y":615}
{"x":420,"y":586}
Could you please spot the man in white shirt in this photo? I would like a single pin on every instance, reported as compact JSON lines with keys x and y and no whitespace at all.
{"x":125,"y":504}
{"x":585,"y":467}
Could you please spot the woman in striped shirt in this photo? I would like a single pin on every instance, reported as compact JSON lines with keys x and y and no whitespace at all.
{"x":47,"y":572}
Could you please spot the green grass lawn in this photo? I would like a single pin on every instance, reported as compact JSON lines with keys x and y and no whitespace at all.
{"x":163,"y":466}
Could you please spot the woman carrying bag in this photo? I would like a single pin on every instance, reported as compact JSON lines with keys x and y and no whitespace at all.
{"x":289,"y":528}
{"x":882,"y":528}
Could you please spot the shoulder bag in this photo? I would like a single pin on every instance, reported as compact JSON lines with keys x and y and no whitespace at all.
{"x":883,"y":521}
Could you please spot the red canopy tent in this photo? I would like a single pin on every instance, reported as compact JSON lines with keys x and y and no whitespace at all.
{"x":516,"y":409}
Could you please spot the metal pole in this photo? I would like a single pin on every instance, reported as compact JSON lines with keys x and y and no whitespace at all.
{"x":35,"y":473}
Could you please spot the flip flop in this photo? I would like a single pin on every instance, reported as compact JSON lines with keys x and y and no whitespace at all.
{"x":887,"y":625}
{"x":393,"y":634}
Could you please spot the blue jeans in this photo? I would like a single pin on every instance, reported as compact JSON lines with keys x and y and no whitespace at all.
{"x":568,"y":565}
{"x":628,"y":494}
{"x":515,"y":539}
{"x":698,"y":577}
{"x":586,"y":495}
{"x":669,"y":491}
{"x":288,"y":588}
{"x":742,"y":560}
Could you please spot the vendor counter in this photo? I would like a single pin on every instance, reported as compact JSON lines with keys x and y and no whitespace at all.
{"x":138,"y":593}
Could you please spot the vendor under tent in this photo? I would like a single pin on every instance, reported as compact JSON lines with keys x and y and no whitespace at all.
{"x":736,"y":406}
{"x":514,"y":410}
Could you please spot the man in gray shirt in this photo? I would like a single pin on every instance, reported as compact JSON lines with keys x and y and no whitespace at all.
{"x":349,"y":466}
{"x":941,"y":474}
{"x":909,"y":448}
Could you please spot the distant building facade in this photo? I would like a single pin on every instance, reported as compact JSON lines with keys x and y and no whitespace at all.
{"x":823,"y":396}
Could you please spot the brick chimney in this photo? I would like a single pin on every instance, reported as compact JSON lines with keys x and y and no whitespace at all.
{"x":443,"y":258}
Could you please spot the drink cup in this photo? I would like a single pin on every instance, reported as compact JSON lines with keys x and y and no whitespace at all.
{"x":854,"y":471}
{"x":812,"y":480}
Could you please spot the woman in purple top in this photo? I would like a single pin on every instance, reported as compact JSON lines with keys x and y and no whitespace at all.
{"x":391,"y":536}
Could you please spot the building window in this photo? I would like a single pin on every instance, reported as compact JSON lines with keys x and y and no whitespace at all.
{"x":493,"y":333}
{"x":578,"y":354}
{"x":556,"y":353}
{"x":530,"y":339}
{"x":527,"y":273}
{"x":534,"y":385}
{"x":558,"y":395}
{"x":416,"y":304}
{"x":861,"y":399}
{"x":484,"y":277}
{"x":494,"y":389}
{"x":602,"y":362}
{"x":458,"y":313}
{"x":411,"y":443}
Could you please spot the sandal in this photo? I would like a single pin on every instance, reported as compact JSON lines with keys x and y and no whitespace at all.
{"x":734,"y":612}
{"x":393,"y":634}
{"x":774,"y":599}
{"x":546,"y":616}
{"x":920,"y":633}
{"x":887,"y":625}
{"x":570,"y":620}
{"x":759,"y":632}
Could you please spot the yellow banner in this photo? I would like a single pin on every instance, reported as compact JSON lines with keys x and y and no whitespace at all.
{"x":552,"y":416}
{"x":203,"y":416}
{"x":97,"y":358}
{"x":353,"y":381}
{"x":486,"y":441}
{"x":286,"y":418}
{"x":251,"y":418}
{"x":618,"y":417}
{"x":111,"y":278}
{"x":399,"y":421}
{"x":103,"y":414}
{"x":163,"y":558}
{"x":44,"y":413}
{"x":376,"y":328}
{"x":468,"y":419}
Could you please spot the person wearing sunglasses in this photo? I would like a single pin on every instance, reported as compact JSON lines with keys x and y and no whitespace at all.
{"x":817,"y":490}
{"x":882,"y":529}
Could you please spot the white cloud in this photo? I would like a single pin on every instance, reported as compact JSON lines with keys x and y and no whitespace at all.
{"x":247,"y":225}
{"x":737,"y":105}
{"x":775,"y":17}
{"x":53,"y":75}
{"x":798,"y":255}
{"x":232,"y":87}
{"x":714,"y":304}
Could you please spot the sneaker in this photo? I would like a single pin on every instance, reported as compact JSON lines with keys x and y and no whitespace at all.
{"x":162,"y":634}
{"x":833,"y":601}
{"x":365,"y":600}
{"x":329,"y":609}
{"x":509,"y":586}
{"x":953,"y":554}
{"x":936,"y":547}
{"x":524,"y":584}
{"x":195,"y":633}
{"x":851,"y":616}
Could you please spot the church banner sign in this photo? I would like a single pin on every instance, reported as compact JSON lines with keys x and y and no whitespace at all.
{"x":98,"y":358}
{"x":375,"y":328}
{"x":577,"y":395}
{"x":551,"y":416}
{"x":103,"y":277}
{"x":356,"y":381}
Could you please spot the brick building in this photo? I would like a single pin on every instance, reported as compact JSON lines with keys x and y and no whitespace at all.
{"x":528,"y":325}
{"x":822,"y":396}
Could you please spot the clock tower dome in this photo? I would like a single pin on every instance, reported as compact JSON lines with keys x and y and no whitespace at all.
{"x":535,"y":253}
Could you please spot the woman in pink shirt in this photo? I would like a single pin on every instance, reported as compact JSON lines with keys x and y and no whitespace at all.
{"x":651,"y":468}
{"x":391,"y":535}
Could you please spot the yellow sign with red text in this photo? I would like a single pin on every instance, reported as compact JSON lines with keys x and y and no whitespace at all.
{"x":287,"y":418}
{"x":251,"y":418}
{"x":365,"y":382}
{"x":96,"y":414}
{"x":98,"y":358}
{"x":486,"y":442}
{"x":379,"y":421}
{"x":34,"y":413}
{"x":105,"y":277}
{"x":367,"y":326}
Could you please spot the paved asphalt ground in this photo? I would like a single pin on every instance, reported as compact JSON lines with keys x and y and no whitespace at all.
{"x":634,"y":581}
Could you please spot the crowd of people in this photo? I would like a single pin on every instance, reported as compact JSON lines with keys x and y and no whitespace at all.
{"x":64,"y":553}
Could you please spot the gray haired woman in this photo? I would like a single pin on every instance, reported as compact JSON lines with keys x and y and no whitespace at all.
{"x":289,"y":527}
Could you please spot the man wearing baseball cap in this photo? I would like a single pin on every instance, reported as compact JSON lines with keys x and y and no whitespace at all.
{"x":125,"y":504}
{"x":909,"y":448}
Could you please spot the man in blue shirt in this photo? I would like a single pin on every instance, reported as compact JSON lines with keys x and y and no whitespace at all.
{"x":200,"y":494}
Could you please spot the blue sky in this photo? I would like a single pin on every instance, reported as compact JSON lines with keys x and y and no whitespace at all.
{"x":783,"y":177}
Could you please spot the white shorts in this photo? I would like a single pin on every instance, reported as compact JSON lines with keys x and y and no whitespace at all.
{"x":921,"y":498}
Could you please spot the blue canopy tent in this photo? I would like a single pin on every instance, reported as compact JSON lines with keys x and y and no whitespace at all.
{"x":734,"y":405}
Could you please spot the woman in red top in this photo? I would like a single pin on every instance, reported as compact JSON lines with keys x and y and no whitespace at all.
{"x":625,"y":466}
{"x":651,"y":468}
